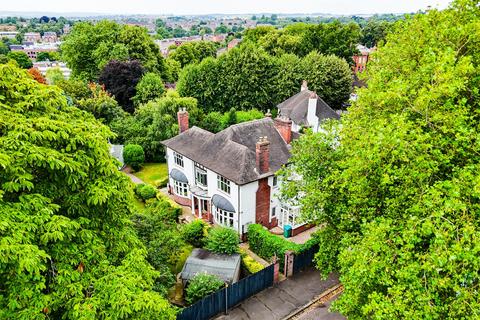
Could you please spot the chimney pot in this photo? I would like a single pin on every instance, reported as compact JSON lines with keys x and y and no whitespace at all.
{"x":268,"y":114}
{"x":262,"y":149}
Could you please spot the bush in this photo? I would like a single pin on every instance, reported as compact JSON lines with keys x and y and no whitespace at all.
{"x":161,"y":183}
{"x":133,"y":156}
{"x":195,"y":233}
{"x":165,"y":209}
{"x":145,"y":191}
{"x":267,"y":245}
{"x":201,"y":285}
{"x":222,"y":240}
{"x":249,"y":263}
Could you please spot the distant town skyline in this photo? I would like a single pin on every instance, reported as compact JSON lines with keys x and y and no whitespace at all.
{"x":192,"y":7}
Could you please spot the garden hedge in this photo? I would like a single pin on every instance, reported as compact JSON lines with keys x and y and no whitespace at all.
{"x":267,"y":245}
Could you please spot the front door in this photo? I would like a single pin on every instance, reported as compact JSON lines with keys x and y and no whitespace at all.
{"x":283,"y":219}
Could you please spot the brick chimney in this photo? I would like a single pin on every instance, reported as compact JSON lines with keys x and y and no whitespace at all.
{"x":263,"y":155}
{"x":182,"y":117}
{"x":304,"y":86}
{"x":284,"y":127}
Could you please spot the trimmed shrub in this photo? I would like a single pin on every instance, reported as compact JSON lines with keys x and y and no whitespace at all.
{"x":267,"y":245}
{"x":161,"y":183}
{"x":249,"y":263}
{"x":145,"y":191}
{"x":222,"y":240}
{"x":201,"y":285}
{"x":134,"y":156}
{"x":195,"y":233}
{"x":164,"y":210}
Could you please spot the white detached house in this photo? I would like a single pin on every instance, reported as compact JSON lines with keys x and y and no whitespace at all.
{"x":228,"y":178}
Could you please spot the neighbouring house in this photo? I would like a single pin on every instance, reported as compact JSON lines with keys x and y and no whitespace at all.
{"x":226,"y":267}
{"x":233,"y":43}
{"x":306,"y":109}
{"x":44,"y":66}
{"x":228,"y":178}
{"x":8,"y":34}
{"x":362,"y":58}
{"x":32,"y":37}
{"x":116,"y":151}
{"x":32,"y":50}
{"x":50,"y":37}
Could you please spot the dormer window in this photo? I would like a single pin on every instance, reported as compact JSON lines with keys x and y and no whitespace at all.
{"x":178,"y":159}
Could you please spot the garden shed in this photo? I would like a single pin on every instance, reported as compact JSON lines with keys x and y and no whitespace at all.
{"x":224,"y":266}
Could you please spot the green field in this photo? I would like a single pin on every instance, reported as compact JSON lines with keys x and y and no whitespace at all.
{"x":151,"y":172}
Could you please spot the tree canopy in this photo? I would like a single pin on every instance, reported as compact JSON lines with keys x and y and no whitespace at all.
{"x":67,"y":247}
{"x":396,"y":186}
{"x":120,"y":78}
{"x":193,"y":52}
{"x":89,"y":47}
{"x":247,"y":77}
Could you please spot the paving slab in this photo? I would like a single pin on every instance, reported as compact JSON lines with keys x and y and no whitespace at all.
{"x":282,"y":299}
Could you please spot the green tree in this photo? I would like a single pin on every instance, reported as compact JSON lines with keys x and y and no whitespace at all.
{"x":68,"y":250}
{"x":153,"y":122}
{"x":54,"y":75}
{"x":4,"y":49}
{"x":195,"y":232}
{"x":21,"y":58}
{"x":222,"y":240}
{"x":398,"y":196}
{"x":329,"y":76}
{"x":193,"y":52}
{"x":43,"y":56}
{"x":134,"y":156}
{"x":201,"y":285}
{"x":149,"y":88}
{"x":89,"y":47}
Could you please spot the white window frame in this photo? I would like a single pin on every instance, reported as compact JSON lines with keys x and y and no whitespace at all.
{"x":291,"y":216}
{"x":274,"y":181}
{"x":225,"y":218}
{"x":200,"y":170}
{"x":180,"y":188}
{"x":178,"y":159}
{"x":223,"y":184}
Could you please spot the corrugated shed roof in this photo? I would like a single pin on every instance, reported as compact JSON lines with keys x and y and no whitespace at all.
{"x":231,"y":152}
{"x":296,"y":108}
{"x":203,"y":261}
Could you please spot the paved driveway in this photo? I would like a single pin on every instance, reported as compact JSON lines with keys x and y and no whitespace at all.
{"x":282,"y":299}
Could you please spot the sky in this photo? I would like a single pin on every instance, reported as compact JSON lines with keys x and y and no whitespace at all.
{"x":188,"y":7}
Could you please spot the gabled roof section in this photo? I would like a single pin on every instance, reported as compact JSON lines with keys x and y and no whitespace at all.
{"x":231,"y":152}
{"x":296,"y":108}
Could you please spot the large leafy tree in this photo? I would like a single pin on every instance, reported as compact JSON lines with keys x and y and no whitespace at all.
{"x":120,"y":79}
{"x":193,"y":52}
{"x":153,"y":122}
{"x":21,"y":58}
{"x":248,"y":77}
{"x":67,"y":248}
{"x":149,"y":88}
{"x":89,"y":47}
{"x":397,"y":190}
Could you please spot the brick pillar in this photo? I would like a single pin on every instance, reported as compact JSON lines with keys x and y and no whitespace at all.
{"x":284,"y":127}
{"x":182,"y":118}
{"x":288,"y":267}
{"x":276,"y":269}
{"x":263,"y":155}
{"x":262,"y":203}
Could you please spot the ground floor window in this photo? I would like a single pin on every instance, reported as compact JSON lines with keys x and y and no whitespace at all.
{"x":225,"y":218}
{"x":180,"y":188}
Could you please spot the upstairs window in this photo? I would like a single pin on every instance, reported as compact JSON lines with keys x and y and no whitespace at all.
{"x":200,"y":175}
{"x":223,"y":184}
{"x":178,"y":158}
{"x":275,"y":181}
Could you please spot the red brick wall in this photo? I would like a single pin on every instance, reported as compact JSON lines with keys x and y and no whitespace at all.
{"x":262,"y":207}
{"x":301,"y":229}
{"x":183,"y":201}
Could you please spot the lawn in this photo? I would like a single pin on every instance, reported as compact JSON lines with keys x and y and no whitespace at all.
{"x":152,"y":172}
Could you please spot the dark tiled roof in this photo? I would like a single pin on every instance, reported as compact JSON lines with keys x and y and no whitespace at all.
{"x":231,"y":152}
{"x":296,"y":108}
